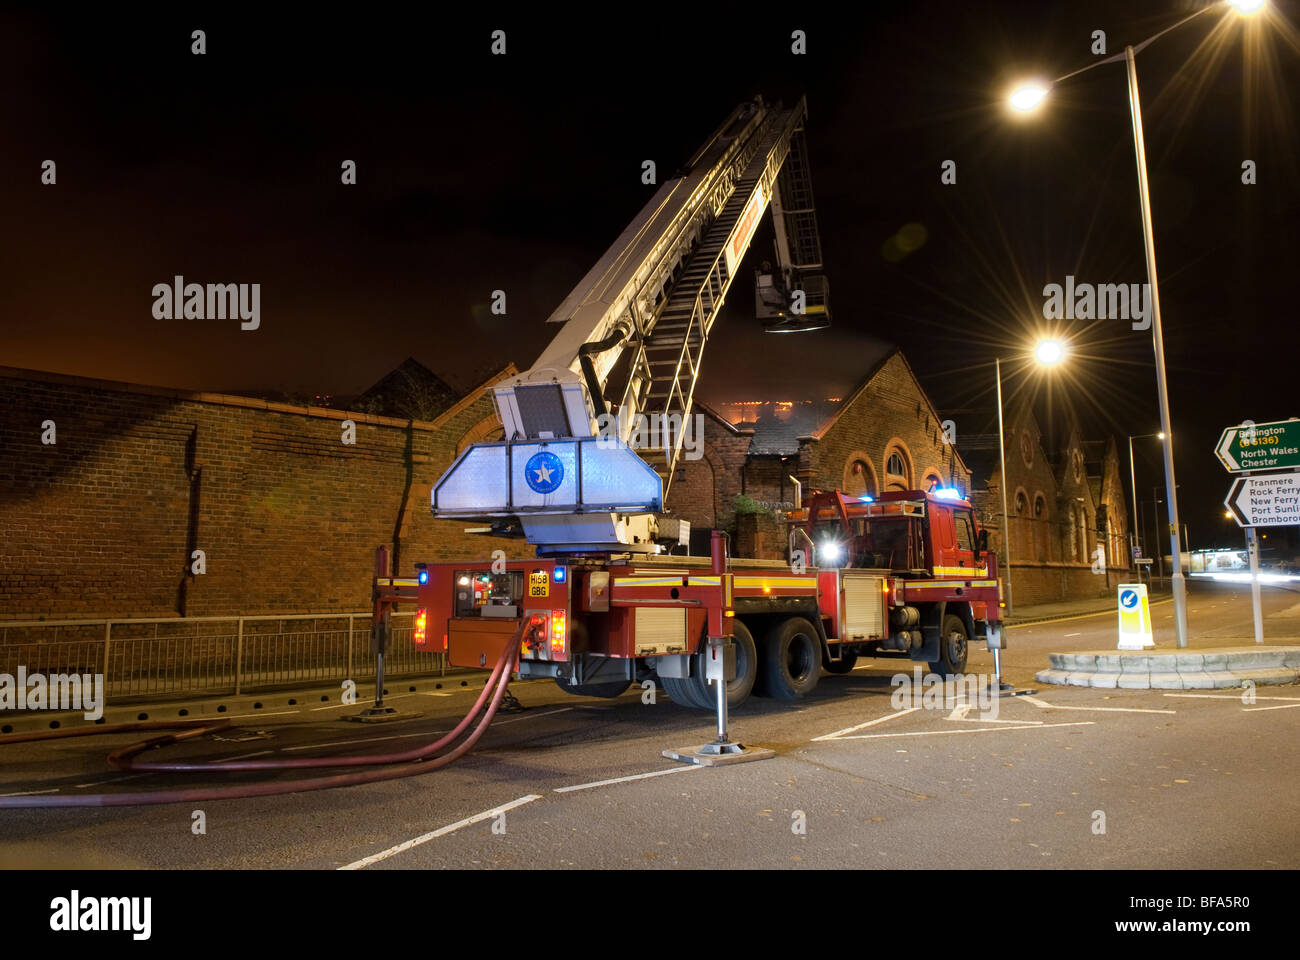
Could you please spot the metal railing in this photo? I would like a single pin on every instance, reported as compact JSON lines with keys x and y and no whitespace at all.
{"x":182,"y":656}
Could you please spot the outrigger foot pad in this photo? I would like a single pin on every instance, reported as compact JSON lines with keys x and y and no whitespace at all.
{"x":717,"y":754}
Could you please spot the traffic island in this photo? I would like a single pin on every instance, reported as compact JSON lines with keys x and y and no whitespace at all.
{"x":1215,"y":669}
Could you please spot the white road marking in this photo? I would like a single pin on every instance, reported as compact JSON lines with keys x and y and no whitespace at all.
{"x":29,"y":793}
{"x":983,"y":719}
{"x":942,"y":733}
{"x":1223,"y":696}
{"x":869,"y":723}
{"x":1283,"y":706}
{"x":635,"y":776}
{"x":502,"y":723}
{"x":440,"y":832}
{"x":97,"y":783}
{"x":959,"y":712}
{"x":344,"y":743}
{"x":1074,"y":634}
{"x":1052,"y":706}
{"x":242,"y":756}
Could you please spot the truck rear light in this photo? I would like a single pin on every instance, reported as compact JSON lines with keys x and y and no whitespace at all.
{"x":557,"y":633}
{"x":421,"y":624}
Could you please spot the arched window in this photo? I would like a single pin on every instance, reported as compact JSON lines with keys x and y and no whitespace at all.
{"x":932,"y":480}
{"x":898,"y":470}
{"x":1022,"y":503}
{"x":859,"y":480}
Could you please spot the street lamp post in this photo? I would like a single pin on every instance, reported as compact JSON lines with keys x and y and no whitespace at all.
{"x":1176,"y":583}
{"x":1047,"y":353}
{"x":1002,"y":454}
{"x":1030,"y":97}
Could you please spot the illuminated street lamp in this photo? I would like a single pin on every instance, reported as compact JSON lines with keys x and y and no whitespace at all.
{"x":1049,"y":352}
{"x":1029,"y":97}
{"x":1248,"y":8}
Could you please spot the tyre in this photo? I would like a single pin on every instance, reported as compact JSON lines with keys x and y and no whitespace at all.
{"x":695,"y":691}
{"x":843,"y":665}
{"x":954,"y":642}
{"x":792,"y":660}
{"x":682,"y":691}
{"x":607,"y":690}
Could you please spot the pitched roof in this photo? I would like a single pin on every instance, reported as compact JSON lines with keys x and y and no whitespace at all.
{"x":409,"y":390}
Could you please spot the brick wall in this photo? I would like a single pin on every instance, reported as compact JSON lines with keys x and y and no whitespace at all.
{"x":103,"y":522}
{"x":705,"y":488}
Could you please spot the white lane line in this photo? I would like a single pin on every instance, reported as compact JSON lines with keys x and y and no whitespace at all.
{"x":1074,"y":634}
{"x":502,"y":723}
{"x":1223,"y":696}
{"x":242,"y":756}
{"x":984,"y":719}
{"x":959,"y":712}
{"x":29,"y":793}
{"x":344,"y":743}
{"x":440,"y":832}
{"x":1052,"y":706}
{"x":635,"y":776}
{"x":869,"y":723}
{"x":1281,"y":706}
{"x":98,"y":783}
{"x":944,"y":733}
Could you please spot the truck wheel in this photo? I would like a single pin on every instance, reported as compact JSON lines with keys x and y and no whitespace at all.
{"x":681,"y":691}
{"x":843,"y":665}
{"x":607,"y":690}
{"x":792,"y":660}
{"x":738,"y":690}
{"x":953,"y":644}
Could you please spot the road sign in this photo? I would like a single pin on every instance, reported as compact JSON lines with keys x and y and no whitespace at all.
{"x":1260,"y":446}
{"x":1134,"y":617}
{"x":1272,"y":500}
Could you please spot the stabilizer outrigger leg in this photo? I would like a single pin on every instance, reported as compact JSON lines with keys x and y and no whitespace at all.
{"x":720,"y":667}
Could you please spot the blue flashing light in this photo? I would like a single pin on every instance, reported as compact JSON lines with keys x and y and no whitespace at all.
{"x":559,"y":574}
{"x":946,"y":493}
{"x":424,"y":576}
{"x":867,"y":499}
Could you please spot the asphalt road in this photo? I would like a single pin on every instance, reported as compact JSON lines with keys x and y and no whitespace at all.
{"x":1065,"y":778}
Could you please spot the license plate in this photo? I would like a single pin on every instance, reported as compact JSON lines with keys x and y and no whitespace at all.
{"x":539,"y":584}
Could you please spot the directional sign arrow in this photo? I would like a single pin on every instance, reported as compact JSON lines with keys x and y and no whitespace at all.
{"x":1267,"y":500}
{"x":1224,"y":449}
{"x":1231,"y":501}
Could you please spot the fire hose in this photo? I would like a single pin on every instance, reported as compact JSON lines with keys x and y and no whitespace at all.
{"x":413,"y":762}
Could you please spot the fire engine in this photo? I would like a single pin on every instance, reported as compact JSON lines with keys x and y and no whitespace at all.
{"x":606,"y":602}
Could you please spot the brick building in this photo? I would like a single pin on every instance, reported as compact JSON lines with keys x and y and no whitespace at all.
{"x":1063,"y":507}
{"x":884,"y":435}
{"x":103,"y":522}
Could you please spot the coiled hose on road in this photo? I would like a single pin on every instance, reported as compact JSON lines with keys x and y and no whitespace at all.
{"x":414,"y":762}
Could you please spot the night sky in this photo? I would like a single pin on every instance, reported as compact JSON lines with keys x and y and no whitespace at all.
{"x":478,"y":173}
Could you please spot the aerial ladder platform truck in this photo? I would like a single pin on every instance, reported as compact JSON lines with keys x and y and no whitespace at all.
{"x":605,"y":603}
